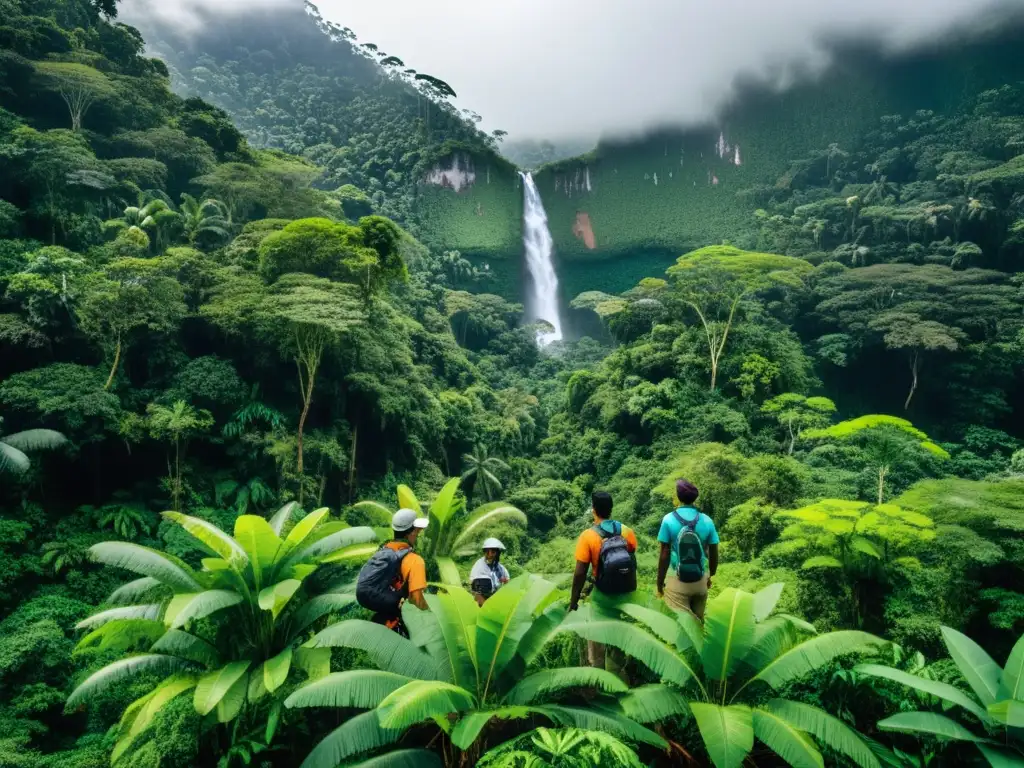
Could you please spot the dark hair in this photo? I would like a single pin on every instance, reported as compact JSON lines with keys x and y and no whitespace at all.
{"x":686,"y":491}
{"x":602,"y":503}
{"x":401,"y":534}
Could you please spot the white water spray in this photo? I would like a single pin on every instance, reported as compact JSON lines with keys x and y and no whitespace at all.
{"x":539,"y":246}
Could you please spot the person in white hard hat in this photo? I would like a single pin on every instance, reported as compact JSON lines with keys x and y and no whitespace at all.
{"x":488,"y":573}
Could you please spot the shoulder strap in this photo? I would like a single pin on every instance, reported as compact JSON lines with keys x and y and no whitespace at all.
{"x":689,"y":524}
{"x":600,"y":531}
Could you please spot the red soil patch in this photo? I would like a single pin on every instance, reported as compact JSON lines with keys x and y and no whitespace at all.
{"x":583,"y":230}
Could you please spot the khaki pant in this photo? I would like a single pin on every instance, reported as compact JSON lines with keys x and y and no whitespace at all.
{"x":607,"y":657}
{"x":683,"y":596}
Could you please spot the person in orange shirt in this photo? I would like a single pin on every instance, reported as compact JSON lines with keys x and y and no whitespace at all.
{"x":406,"y":574}
{"x":609,"y":548}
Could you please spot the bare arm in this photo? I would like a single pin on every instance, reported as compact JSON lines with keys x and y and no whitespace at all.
{"x":663,"y":561}
{"x":578,"y":579}
{"x":417,"y":599}
{"x":479,"y":598}
{"x":712,"y":562}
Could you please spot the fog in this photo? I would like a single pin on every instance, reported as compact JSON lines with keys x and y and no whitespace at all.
{"x":578,"y":68}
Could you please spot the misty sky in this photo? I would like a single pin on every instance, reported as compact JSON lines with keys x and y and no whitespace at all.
{"x":555,"y":68}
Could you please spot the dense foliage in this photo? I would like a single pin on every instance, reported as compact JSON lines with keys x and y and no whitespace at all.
{"x":220,"y":364}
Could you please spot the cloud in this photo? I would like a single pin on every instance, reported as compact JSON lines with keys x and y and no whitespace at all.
{"x":585,"y":68}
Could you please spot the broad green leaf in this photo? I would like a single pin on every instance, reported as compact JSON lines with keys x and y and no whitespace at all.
{"x":149,"y":612}
{"x":813,"y":654}
{"x":468,"y":729}
{"x":443,"y":507}
{"x":1011,"y":683}
{"x":664,"y":627}
{"x":317,"y":547}
{"x":121,"y":635}
{"x":928,"y":723}
{"x":421,"y":700}
{"x":149,"y":663}
{"x":772,"y":638}
{"x":944,"y":691}
{"x":386,"y":648}
{"x":483,"y":516}
{"x":766,"y":600}
{"x":145,"y":562}
{"x":215,"y":564}
{"x":407,"y":499}
{"x":232,"y":702}
{"x":177,"y":642}
{"x":728,"y":732}
{"x":728,"y":632}
{"x":637,"y":643}
{"x":504,"y":620}
{"x":401,"y":758}
{"x":999,"y":757}
{"x":354,"y":736}
{"x":597,"y":720}
{"x":260,"y":543}
{"x":828,"y":730}
{"x":693,"y":628}
{"x":865,"y":546}
{"x":317,"y":607}
{"x":456,"y":613}
{"x":379,"y":513}
{"x":1009,"y":712}
{"x":212,"y":538}
{"x":356,"y":553}
{"x":977,"y":667}
{"x":282,"y":516}
{"x":354,"y":689}
{"x":788,"y":742}
{"x":548,"y":681}
{"x":315,"y":662}
{"x":275,"y":670}
{"x":134,"y":590}
{"x":186,"y":607}
{"x":213,"y":686}
{"x":274,"y":598}
{"x":649,"y":703}
{"x":449,"y":571}
{"x":139,"y":716}
{"x":297,"y":536}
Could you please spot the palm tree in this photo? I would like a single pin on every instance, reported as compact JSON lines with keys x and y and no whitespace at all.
{"x":13,"y":448}
{"x":209,"y":216}
{"x":452,"y":531}
{"x":998,"y":701}
{"x":463,"y":663}
{"x":232,"y":632}
{"x":724,"y":670}
{"x":480,"y":471}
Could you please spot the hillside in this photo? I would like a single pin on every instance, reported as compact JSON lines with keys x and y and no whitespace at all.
{"x":296,"y":82}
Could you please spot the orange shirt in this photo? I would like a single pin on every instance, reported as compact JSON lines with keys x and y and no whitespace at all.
{"x":588,"y":546}
{"x":414,"y":570}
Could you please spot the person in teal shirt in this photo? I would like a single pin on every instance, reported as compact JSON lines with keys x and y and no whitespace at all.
{"x":689,"y":595}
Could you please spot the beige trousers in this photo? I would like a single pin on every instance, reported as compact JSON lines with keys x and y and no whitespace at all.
{"x":690,"y":597}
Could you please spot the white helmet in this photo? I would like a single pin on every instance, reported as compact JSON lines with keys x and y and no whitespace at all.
{"x":493,"y":543}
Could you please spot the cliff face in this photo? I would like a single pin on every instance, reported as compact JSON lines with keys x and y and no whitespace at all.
{"x":629,"y":209}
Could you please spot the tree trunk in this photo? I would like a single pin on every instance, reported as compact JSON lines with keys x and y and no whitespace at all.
{"x":113,"y":368}
{"x":913,"y":383}
{"x":792,"y":437}
{"x":177,"y":475}
{"x":352,"y":462}
{"x":882,"y":472}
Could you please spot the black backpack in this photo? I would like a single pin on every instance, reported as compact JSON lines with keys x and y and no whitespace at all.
{"x":616,"y":565}
{"x":375,"y":588}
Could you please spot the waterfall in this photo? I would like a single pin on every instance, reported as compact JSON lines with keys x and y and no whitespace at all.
{"x":538,"y":244}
